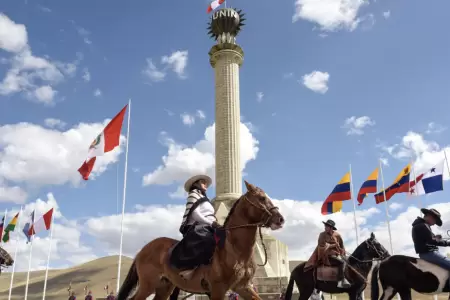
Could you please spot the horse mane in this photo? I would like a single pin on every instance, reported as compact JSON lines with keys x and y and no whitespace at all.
{"x":233,"y":208}
{"x":357,"y":253}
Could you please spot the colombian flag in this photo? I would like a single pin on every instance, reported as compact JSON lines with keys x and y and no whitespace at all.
{"x":401,"y":185}
{"x":369,"y":186}
{"x":340,"y":193}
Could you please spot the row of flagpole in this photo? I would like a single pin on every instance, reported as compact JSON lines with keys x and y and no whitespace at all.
{"x":385,"y":201}
{"x":31,"y":239}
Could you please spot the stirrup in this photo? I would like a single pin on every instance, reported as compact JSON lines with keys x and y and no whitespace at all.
{"x":343,"y":284}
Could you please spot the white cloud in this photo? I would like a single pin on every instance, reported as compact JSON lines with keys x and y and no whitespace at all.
{"x":414,"y":146}
{"x":176,"y":61}
{"x":86,"y":75}
{"x":35,"y":76}
{"x":316,"y":81}
{"x":200,"y":114}
{"x":330,"y":15}
{"x":355,"y":126}
{"x":434,"y":128}
{"x":182,"y":161}
{"x":152,"y":72}
{"x":387,"y":14}
{"x":45,"y":94}
{"x":14,"y":194}
{"x":66,"y":245}
{"x":189,"y":119}
{"x":53,"y":159}
{"x":54,"y":123}
{"x":13,"y":36}
{"x":98,"y":93}
{"x":301,"y":216}
{"x":259,"y":96}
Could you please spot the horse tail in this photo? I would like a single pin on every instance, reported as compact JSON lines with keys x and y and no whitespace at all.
{"x":175,"y":293}
{"x":129,"y":283}
{"x":290,"y":287}
{"x":375,"y":290}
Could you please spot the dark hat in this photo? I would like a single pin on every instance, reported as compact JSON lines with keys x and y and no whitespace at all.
{"x":434,"y":213}
{"x":330,"y":223}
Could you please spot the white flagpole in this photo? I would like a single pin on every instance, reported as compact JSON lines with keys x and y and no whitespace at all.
{"x":117,"y":189}
{"x":354,"y":213}
{"x":15,"y":255}
{"x":48,"y":258}
{"x":354,"y":207}
{"x":29,"y":264}
{"x":446,"y":161}
{"x":415,"y":186}
{"x":124,"y":197}
{"x":387,"y":209}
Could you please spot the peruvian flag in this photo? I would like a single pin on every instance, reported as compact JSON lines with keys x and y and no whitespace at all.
{"x":105,"y":142}
{"x":43,"y":223}
{"x":213,"y":5}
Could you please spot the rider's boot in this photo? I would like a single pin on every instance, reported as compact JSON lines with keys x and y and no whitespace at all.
{"x":343,"y":283}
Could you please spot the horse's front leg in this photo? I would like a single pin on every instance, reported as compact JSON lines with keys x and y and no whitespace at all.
{"x":248,"y":293}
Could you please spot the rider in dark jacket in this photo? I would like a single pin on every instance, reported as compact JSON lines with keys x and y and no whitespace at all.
{"x":426,"y":243}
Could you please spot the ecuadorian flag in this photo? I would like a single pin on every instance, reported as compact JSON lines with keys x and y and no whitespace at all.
{"x":369,"y":186}
{"x":400,"y":185}
{"x":340,"y":193}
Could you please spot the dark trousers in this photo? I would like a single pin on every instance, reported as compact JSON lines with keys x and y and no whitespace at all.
{"x":195,"y":249}
{"x":339,"y":262}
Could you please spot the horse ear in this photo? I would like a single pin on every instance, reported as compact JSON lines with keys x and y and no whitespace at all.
{"x":372,"y":236}
{"x":249,"y":186}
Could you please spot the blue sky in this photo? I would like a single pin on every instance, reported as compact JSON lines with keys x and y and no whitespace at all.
{"x":384,"y":60}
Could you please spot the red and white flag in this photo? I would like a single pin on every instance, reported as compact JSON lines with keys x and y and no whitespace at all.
{"x":105,"y":142}
{"x":213,"y":5}
{"x":44,"y":223}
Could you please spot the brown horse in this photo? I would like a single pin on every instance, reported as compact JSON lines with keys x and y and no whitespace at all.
{"x":232,"y":266}
{"x":5,"y":259}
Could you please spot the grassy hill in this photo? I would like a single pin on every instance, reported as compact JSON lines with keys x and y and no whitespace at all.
{"x":95,"y":274}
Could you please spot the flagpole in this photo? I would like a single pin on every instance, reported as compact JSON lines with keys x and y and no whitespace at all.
{"x":29,"y":266}
{"x":446,"y":162}
{"x":387,"y":209}
{"x":15,"y":255}
{"x":415,"y":185}
{"x":117,"y":189}
{"x":354,"y":207}
{"x":48,"y":257}
{"x":124,"y":197}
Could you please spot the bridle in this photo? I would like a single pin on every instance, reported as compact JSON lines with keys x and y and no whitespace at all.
{"x":380,"y":254}
{"x":268,"y":213}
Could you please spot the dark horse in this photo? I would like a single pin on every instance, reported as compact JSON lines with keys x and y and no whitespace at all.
{"x":400,"y":274}
{"x":360,"y":261}
{"x":5,"y":259}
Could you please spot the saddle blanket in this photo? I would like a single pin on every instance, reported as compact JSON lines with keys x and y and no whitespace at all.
{"x":327,"y":273}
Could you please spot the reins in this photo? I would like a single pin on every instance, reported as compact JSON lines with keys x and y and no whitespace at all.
{"x":259,"y":225}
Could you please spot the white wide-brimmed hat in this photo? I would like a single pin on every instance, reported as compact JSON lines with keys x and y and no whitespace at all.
{"x":190,"y":181}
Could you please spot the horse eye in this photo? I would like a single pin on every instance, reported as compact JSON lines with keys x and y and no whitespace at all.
{"x":262,"y":199}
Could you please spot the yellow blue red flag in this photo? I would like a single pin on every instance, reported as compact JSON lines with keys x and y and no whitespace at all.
{"x":340,"y":193}
{"x":369,"y":186}
{"x":401,"y":185}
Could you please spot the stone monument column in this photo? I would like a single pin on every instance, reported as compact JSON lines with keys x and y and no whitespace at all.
{"x":226,"y":57}
{"x":226,"y":60}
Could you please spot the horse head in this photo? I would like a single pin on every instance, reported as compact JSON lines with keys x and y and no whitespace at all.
{"x":260,"y":209}
{"x":5,"y":259}
{"x":373,"y":249}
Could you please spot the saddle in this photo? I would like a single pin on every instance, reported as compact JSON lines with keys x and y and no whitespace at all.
{"x":330,"y":273}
